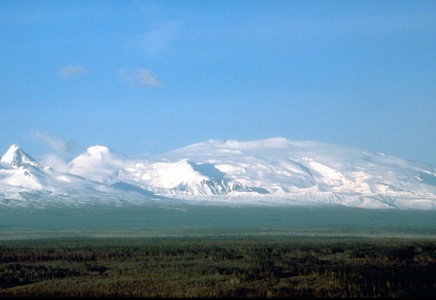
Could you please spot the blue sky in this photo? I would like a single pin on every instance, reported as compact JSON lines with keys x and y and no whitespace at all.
{"x":147,"y":77}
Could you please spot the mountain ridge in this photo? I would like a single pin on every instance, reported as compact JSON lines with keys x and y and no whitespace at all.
{"x":270,"y":171}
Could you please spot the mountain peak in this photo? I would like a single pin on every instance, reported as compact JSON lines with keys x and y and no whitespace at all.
{"x":98,"y":150}
{"x":101,"y":153}
{"x":16,"y":157}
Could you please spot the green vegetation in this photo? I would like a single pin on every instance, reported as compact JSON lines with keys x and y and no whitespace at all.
{"x":219,"y":266}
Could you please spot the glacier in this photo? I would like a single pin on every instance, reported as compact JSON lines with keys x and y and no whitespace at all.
{"x":273,"y":172}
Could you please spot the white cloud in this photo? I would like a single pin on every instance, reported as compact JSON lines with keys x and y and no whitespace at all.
{"x":64,"y":150}
{"x":140,"y":77}
{"x":55,"y":161}
{"x":57,"y":144}
{"x":158,"y":39}
{"x":72,"y":71}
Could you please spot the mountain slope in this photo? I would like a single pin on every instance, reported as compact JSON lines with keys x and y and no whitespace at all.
{"x":271,"y":171}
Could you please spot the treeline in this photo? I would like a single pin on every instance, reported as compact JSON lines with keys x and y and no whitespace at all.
{"x":219,"y":267}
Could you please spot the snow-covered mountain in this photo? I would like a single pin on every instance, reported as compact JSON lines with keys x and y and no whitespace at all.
{"x":16,"y":157}
{"x":271,"y":171}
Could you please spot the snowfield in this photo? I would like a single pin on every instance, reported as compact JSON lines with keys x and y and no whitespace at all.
{"x":273,"y":171}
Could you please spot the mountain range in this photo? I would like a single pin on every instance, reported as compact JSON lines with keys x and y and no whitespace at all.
{"x":272,"y":171}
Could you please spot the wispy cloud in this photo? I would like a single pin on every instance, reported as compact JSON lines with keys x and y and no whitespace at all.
{"x":140,"y":77}
{"x":157,"y":40}
{"x":72,"y":71}
{"x":64,"y":150}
